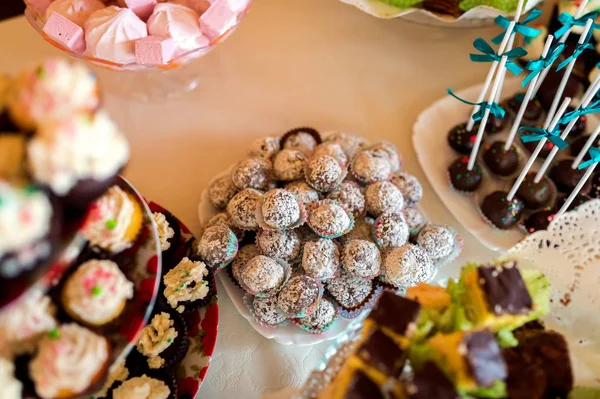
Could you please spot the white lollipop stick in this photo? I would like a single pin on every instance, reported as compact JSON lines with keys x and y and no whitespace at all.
{"x":586,"y":148}
{"x":587,"y":98}
{"x":497,"y":83}
{"x":509,"y":47}
{"x":567,"y":74}
{"x":577,"y":189}
{"x":490,"y":75}
{"x":538,"y":149}
{"x":527,"y":98}
{"x":562,"y":39}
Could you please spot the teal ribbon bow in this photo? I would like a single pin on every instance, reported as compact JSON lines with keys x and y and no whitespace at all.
{"x":495,"y":108}
{"x":536,"y":66}
{"x":595,"y":155}
{"x":539,"y":133}
{"x":590,"y":109}
{"x":520,"y":27}
{"x":489,"y":55}
{"x":569,"y":21}
{"x":580,"y":48}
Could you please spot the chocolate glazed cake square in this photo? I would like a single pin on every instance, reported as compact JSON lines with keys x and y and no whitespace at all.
{"x":382,"y":353}
{"x":395,"y":312}
{"x":504,"y":289}
{"x":484,"y":358}
{"x":428,"y":383}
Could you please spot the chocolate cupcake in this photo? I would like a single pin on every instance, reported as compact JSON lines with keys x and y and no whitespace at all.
{"x":389,"y":151}
{"x":169,"y":235}
{"x":390,"y":230}
{"x":303,"y":139}
{"x":409,"y":186}
{"x":217,"y":246}
{"x":350,"y":143}
{"x":333,"y":150}
{"x":383,"y":197}
{"x":329,"y":220}
{"x":300,"y":296}
{"x":351,"y":293}
{"x":266,"y":312}
{"x":221,"y":190}
{"x":370,"y":167}
{"x":164,"y":341}
{"x":415,"y":220}
{"x":265,"y":147}
{"x":361,"y":259}
{"x":279,"y":244}
{"x":566,"y":178}
{"x":500,"y":162}
{"x":244,"y":254}
{"x":461,"y":140}
{"x":188,"y":286}
{"x":536,"y":195}
{"x":437,"y":241}
{"x":305,"y":193}
{"x":242,"y":209}
{"x":288,"y":165}
{"x":324,"y":173}
{"x":159,"y":384}
{"x":320,"y":320}
{"x":463,"y":179}
{"x":280,"y":209}
{"x":256,"y":173}
{"x":321,"y":259}
{"x":500,"y":211}
{"x":263,"y":276}
{"x":350,"y":196}
{"x":407,"y":266}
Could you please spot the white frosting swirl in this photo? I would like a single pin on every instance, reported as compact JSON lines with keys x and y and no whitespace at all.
{"x":178,"y":22}
{"x":67,"y":359}
{"x":142,"y":387}
{"x":80,"y":147}
{"x":165,"y":232}
{"x":97,"y":291}
{"x":109,"y":220}
{"x":185,"y":283}
{"x":11,"y":387}
{"x":155,"y":338}
{"x":77,"y":11}
{"x":25,"y":216}
{"x":117,"y":372}
{"x":54,"y":90}
{"x":110,"y":34}
{"x":22,"y":324}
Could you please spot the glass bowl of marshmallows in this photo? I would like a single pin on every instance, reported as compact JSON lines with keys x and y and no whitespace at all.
{"x":143,"y":49}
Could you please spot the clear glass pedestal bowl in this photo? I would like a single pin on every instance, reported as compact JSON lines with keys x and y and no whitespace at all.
{"x":144,"y":82}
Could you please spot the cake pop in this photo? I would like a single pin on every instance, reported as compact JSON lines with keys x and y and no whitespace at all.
{"x":462,"y":178}
{"x":566,"y":178}
{"x":502,"y":212}
{"x":499,"y":161}
{"x":539,"y":220}
{"x":536,"y":195}
{"x":461,"y":140}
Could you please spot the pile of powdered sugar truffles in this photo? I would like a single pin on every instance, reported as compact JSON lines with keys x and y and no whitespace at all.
{"x":314,"y":227}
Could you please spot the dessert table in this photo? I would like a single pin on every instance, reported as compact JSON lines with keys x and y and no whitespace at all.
{"x":296,"y":62}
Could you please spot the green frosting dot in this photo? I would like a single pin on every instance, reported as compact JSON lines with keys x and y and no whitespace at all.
{"x":96,"y":290}
{"x":40,"y":72}
{"x":170,"y":340}
{"x":111,"y":224}
{"x":54,"y":334}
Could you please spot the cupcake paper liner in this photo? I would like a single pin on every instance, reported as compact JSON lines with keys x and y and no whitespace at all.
{"x":229,"y":272}
{"x":366,"y":304}
{"x":309,"y":310}
{"x":324,"y":234}
{"x":317,"y":331}
{"x":261,"y":220}
{"x":232,"y":249}
{"x":169,"y":256}
{"x":248,"y":302}
{"x":304,"y":129}
{"x":287,"y":275}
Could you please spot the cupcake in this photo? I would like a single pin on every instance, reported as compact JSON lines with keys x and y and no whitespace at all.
{"x":11,"y":386}
{"x":409,"y":186}
{"x":324,"y":173}
{"x":245,"y":253}
{"x":321,"y":259}
{"x":143,"y":387}
{"x":169,"y":235}
{"x":320,"y":320}
{"x":163,"y":342}
{"x":383,"y":197}
{"x":28,"y":227}
{"x":54,"y":90}
{"x":288,"y":165}
{"x":407,"y":266}
{"x":361,"y":259}
{"x":300,"y":296}
{"x":280,"y":209}
{"x":69,"y":361}
{"x":350,"y":143}
{"x":350,"y":292}
{"x":24,"y":323}
{"x":92,"y":152}
{"x":242,"y":209}
{"x":188,"y":286}
{"x":437,"y":241}
{"x":370,"y":167}
{"x":217,"y":246}
{"x":305,"y":193}
{"x":221,"y":190}
{"x":267,"y":313}
{"x":279,"y":244}
{"x":329,"y":220}
{"x":350,"y":196}
{"x":303,"y":139}
{"x":253,"y":173}
{"x":96,"y":293}
{"x":391,"y":230}
{"x":115,"y":221}
{"x":263,"y":276}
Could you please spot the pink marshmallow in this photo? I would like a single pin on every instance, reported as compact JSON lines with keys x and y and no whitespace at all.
{"x":39,"y":6}
{"x":154,"y":50}
{"x":217,"y":19}
{"x":65,"y":32}
{"x":142,"y":8}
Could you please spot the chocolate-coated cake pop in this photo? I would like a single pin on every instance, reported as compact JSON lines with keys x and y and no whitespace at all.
{"x":501,"y":212}
{"x":464,"y":179}
{"x":460,"y":140}
{"x":595,"y":193}
{"x":495,"y":125}
{"x":500,"y":162}
{"x":533,"y":112}
{"x":536,"y":195}
{"x":579,"y":200}
{"x":566,"y":178}
{"x":539,"y":220}
{"x":531,"y":146}
{"x":547,"y":90}
{"x":579,"y":143}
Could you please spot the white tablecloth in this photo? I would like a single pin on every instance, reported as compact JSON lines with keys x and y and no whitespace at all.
{"x":292,"y":62}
